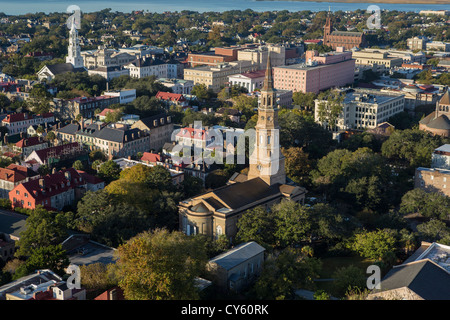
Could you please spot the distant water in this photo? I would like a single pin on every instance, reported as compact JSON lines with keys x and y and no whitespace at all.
{"x":28,"y":6}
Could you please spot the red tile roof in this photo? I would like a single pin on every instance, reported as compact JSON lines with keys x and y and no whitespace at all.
{"x":191,"y":133}
{"x":32,"y":141}
{"x":89,"y":178}
{"x":53,"y":184}
{"x":12,"y":175}
{"x":170,"y":96}
{"x":151,"y":157}
{"x":105,"y":111}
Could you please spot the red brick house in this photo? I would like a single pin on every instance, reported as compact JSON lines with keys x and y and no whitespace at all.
{"x":53,"y":191}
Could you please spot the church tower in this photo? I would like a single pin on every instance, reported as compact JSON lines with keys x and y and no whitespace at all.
{"x":327,"y":29}
{"x":266,"y":160}
{"x":74,"y":53}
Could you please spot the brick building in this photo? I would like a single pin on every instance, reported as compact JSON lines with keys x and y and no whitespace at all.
{"x":438,"y":122}
{"x":321,"y":71}
{"x":345,"y":39}
{"x":53,"y":191}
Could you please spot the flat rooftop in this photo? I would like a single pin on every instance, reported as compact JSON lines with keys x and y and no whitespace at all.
{"x":439,"y":254}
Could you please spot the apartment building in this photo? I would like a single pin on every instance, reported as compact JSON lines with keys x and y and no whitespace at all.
{"x":160,"y":128}
{"x":53,"y":191}
{"x":85,"y":106}
{"x":19,"y":122}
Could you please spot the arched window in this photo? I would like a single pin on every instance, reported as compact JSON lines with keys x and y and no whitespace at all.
{"x":218,"y":232}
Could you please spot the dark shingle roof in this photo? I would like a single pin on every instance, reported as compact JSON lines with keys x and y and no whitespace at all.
{"x":425,"y":278}
{"x":238,"y":195}
{"x":71,"y":128}
{"x":149,"y":121}
{"x":60,"y":68}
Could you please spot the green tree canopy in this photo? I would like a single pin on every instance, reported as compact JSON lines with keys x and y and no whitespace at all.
{"x":161,"y":265}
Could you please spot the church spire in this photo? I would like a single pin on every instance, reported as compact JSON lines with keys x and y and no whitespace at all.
{"x":268,"y":80}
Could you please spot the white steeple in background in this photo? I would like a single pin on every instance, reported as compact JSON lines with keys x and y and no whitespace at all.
{"x":74,"y":52}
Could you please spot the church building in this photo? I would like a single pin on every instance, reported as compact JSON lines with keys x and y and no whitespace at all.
{"x":216,"y":212}
{"x":346,"y":39}
{"x":74,"y":60}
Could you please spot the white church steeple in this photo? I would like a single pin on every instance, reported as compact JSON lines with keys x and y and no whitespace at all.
{"x":74,"y":52}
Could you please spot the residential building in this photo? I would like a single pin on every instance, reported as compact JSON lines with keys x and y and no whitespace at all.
{"x":346,"y":39}
{"x":216,"y":212}
{"x":236,"y":268}
{"x":85,"y":106}
{"x":125,"y":95}
{"x":176,"y":171}
{"x":12,"y":176}
{"x":172,"y":98}
{"x":113,"y":140}
{"x":320,"y":72}
{"x":53,"y":191}
{"x":82,"y":251}
{"x":425,"y":275}
{"x":362,"y":109}
{"x":28,"y":145}
{"x":109,"y":73}
{"x":232,"y":114}
{"x":177,"y":85}
{"x":43,"y":284}
{"x":57,"y":156}
{"x":19,"y":122}
{"x":216,"y":77}
{"x":438,"y":122}
{"x":160,"y":128}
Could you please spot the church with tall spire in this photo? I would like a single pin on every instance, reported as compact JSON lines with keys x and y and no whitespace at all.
{"x":74,"y":56}
{"x":267,"y":161}
{"x":216,"y":212}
